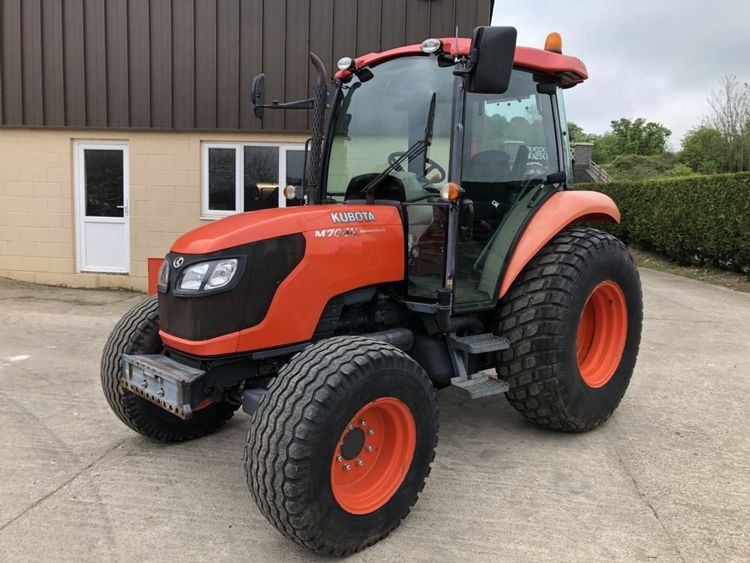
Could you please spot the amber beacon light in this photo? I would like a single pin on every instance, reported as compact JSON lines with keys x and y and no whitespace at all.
{"x":553,"y":43}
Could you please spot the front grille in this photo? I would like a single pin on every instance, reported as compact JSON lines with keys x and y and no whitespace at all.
{"x":200,"y":317}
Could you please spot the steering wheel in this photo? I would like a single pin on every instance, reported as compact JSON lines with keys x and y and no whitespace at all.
{"x":431,"y":166}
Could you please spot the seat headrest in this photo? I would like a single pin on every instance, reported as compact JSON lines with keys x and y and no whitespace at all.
{"x":487,"y":166}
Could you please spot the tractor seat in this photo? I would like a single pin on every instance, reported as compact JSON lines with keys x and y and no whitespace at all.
{"x":488,"y":167}
{"x":484,"y":179}
{"x":390,"y":188}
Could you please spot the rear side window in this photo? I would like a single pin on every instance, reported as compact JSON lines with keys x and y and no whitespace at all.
{"x":509,"y":137}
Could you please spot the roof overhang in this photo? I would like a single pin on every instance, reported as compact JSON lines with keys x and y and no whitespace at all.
{"x":567,"y":70}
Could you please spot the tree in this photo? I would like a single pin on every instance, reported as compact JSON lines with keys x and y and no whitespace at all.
{"x":628,"y":137}
{"x":577,"y":134}
{"x":730,"y":116}
{"x":705,"y":150}
{"x":639,"y":137}
{"x":605,"y":149}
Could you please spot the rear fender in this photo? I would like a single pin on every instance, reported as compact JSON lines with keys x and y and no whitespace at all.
{"x":556,"y":214}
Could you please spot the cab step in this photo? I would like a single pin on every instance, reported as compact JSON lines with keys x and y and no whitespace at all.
{"x":480,"y":343}
{"x":480,"y":385}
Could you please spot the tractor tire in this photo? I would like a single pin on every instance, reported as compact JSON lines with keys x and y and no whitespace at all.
{"x":137,"y":332}
{"x":342,"y":443}
{"x":573,"y":318}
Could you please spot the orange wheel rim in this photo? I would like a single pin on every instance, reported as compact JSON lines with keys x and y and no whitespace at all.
{"x":373,"y":455}
{"x":602,"y":332}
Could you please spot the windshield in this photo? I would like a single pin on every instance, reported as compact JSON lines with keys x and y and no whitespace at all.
{"x":378,"y":120}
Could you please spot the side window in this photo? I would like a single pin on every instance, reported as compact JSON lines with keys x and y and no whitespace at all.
{"x":508,"y":136}
{"x":241,"y":177}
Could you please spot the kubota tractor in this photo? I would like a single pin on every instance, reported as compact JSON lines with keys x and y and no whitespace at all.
{"x":438,"y":245}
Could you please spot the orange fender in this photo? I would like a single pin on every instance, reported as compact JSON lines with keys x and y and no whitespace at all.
{"x":558,"y":212}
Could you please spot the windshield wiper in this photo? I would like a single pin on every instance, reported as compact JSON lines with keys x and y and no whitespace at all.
{"x":415,"y":150}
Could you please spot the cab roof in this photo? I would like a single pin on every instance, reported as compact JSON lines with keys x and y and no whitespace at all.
{"x":568,"y":70}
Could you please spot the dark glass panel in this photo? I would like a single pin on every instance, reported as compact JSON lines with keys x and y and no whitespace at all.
{"x":261,"y":177}
{"x":221,"y":179}
{"x":295,"y":171}
{"x":104,"y":183}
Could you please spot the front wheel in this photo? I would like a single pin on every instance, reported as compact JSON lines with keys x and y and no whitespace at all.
{"x":342,"y":443}
{"x":573,"y":318}
{"x":137,"y":332}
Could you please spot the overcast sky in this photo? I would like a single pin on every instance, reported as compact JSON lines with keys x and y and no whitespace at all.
{"x":658,"y":59}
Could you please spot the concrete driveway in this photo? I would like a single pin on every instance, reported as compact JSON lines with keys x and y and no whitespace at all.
{"x":667,"y":479}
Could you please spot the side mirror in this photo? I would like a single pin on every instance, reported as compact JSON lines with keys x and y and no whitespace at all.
{"x":559,"y":177}
{"x":258,"y":95}
{"x":465,"y":220}
{"x":493,"y":50}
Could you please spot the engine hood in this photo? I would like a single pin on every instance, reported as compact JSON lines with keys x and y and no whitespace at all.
{"x":254,"y":226}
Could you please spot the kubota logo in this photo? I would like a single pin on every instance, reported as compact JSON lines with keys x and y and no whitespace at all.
{"x":179,"y":261}
{"x":352,"y":216}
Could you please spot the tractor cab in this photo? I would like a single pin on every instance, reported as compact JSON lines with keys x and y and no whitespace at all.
{"x":506,"y":144}
{"x":466,"y":139}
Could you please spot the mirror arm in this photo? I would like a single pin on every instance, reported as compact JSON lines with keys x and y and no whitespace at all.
{"x":297,"y":104}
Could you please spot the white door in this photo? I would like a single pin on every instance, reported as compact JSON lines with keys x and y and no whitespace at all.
{"x":102,"y":221}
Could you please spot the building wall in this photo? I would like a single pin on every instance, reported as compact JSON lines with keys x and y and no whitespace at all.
{"x":37,"y":217}
{"x":188,"y":64}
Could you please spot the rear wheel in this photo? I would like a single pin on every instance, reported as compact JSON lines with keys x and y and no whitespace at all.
{"x":341,"y":444}
{"x":138,"y":333}
{"x":573,"y":318}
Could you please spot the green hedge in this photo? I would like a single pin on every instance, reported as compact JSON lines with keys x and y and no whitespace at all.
{"x":694,"y":220}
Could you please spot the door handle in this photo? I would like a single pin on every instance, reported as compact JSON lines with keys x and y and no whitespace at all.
{"x":124,"y":209}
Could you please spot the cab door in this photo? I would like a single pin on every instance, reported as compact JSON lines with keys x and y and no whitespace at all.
{"x":511,"y":145}
{"x":426,"y":234}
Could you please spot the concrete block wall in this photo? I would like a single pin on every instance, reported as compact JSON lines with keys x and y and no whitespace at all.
{"x":37,"y":217}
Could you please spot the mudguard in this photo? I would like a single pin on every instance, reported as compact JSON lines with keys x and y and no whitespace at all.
{"x":559,"y":212}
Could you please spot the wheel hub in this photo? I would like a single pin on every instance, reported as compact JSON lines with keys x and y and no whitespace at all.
{"x":602,"y":334}
{"x":352,"y":444}
{"x":373,"y":455}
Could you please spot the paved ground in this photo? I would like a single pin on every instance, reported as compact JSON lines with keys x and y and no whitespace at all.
{"x":667,"y":479}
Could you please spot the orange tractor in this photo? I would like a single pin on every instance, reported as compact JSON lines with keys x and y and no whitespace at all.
{"x":434,"y":243}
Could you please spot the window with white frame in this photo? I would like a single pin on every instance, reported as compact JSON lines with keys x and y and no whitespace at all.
{"x":241,"y":177}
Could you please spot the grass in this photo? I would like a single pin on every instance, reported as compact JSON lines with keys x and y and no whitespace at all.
{"x":732,"y":280}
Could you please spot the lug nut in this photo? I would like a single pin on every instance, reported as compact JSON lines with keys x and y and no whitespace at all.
{"x":339,"y":458}
{"x":347,"y":467}
{"x":370,"y":432}
{"x":351,"y":427}
{"x":362,"y":422}
{"x":360,"y":463}
{"x":368,"y":447}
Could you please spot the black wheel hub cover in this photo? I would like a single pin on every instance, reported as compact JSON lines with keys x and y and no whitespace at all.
{"x":353,"y":442}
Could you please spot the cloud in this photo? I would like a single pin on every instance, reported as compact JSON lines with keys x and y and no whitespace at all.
{"x":658,"y":59}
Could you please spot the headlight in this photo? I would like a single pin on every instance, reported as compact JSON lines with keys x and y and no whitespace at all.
{"x":163,"y":282}
{"x":222,"y":274}
{"x":193,"y":277}
{"x":208,"y":276}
